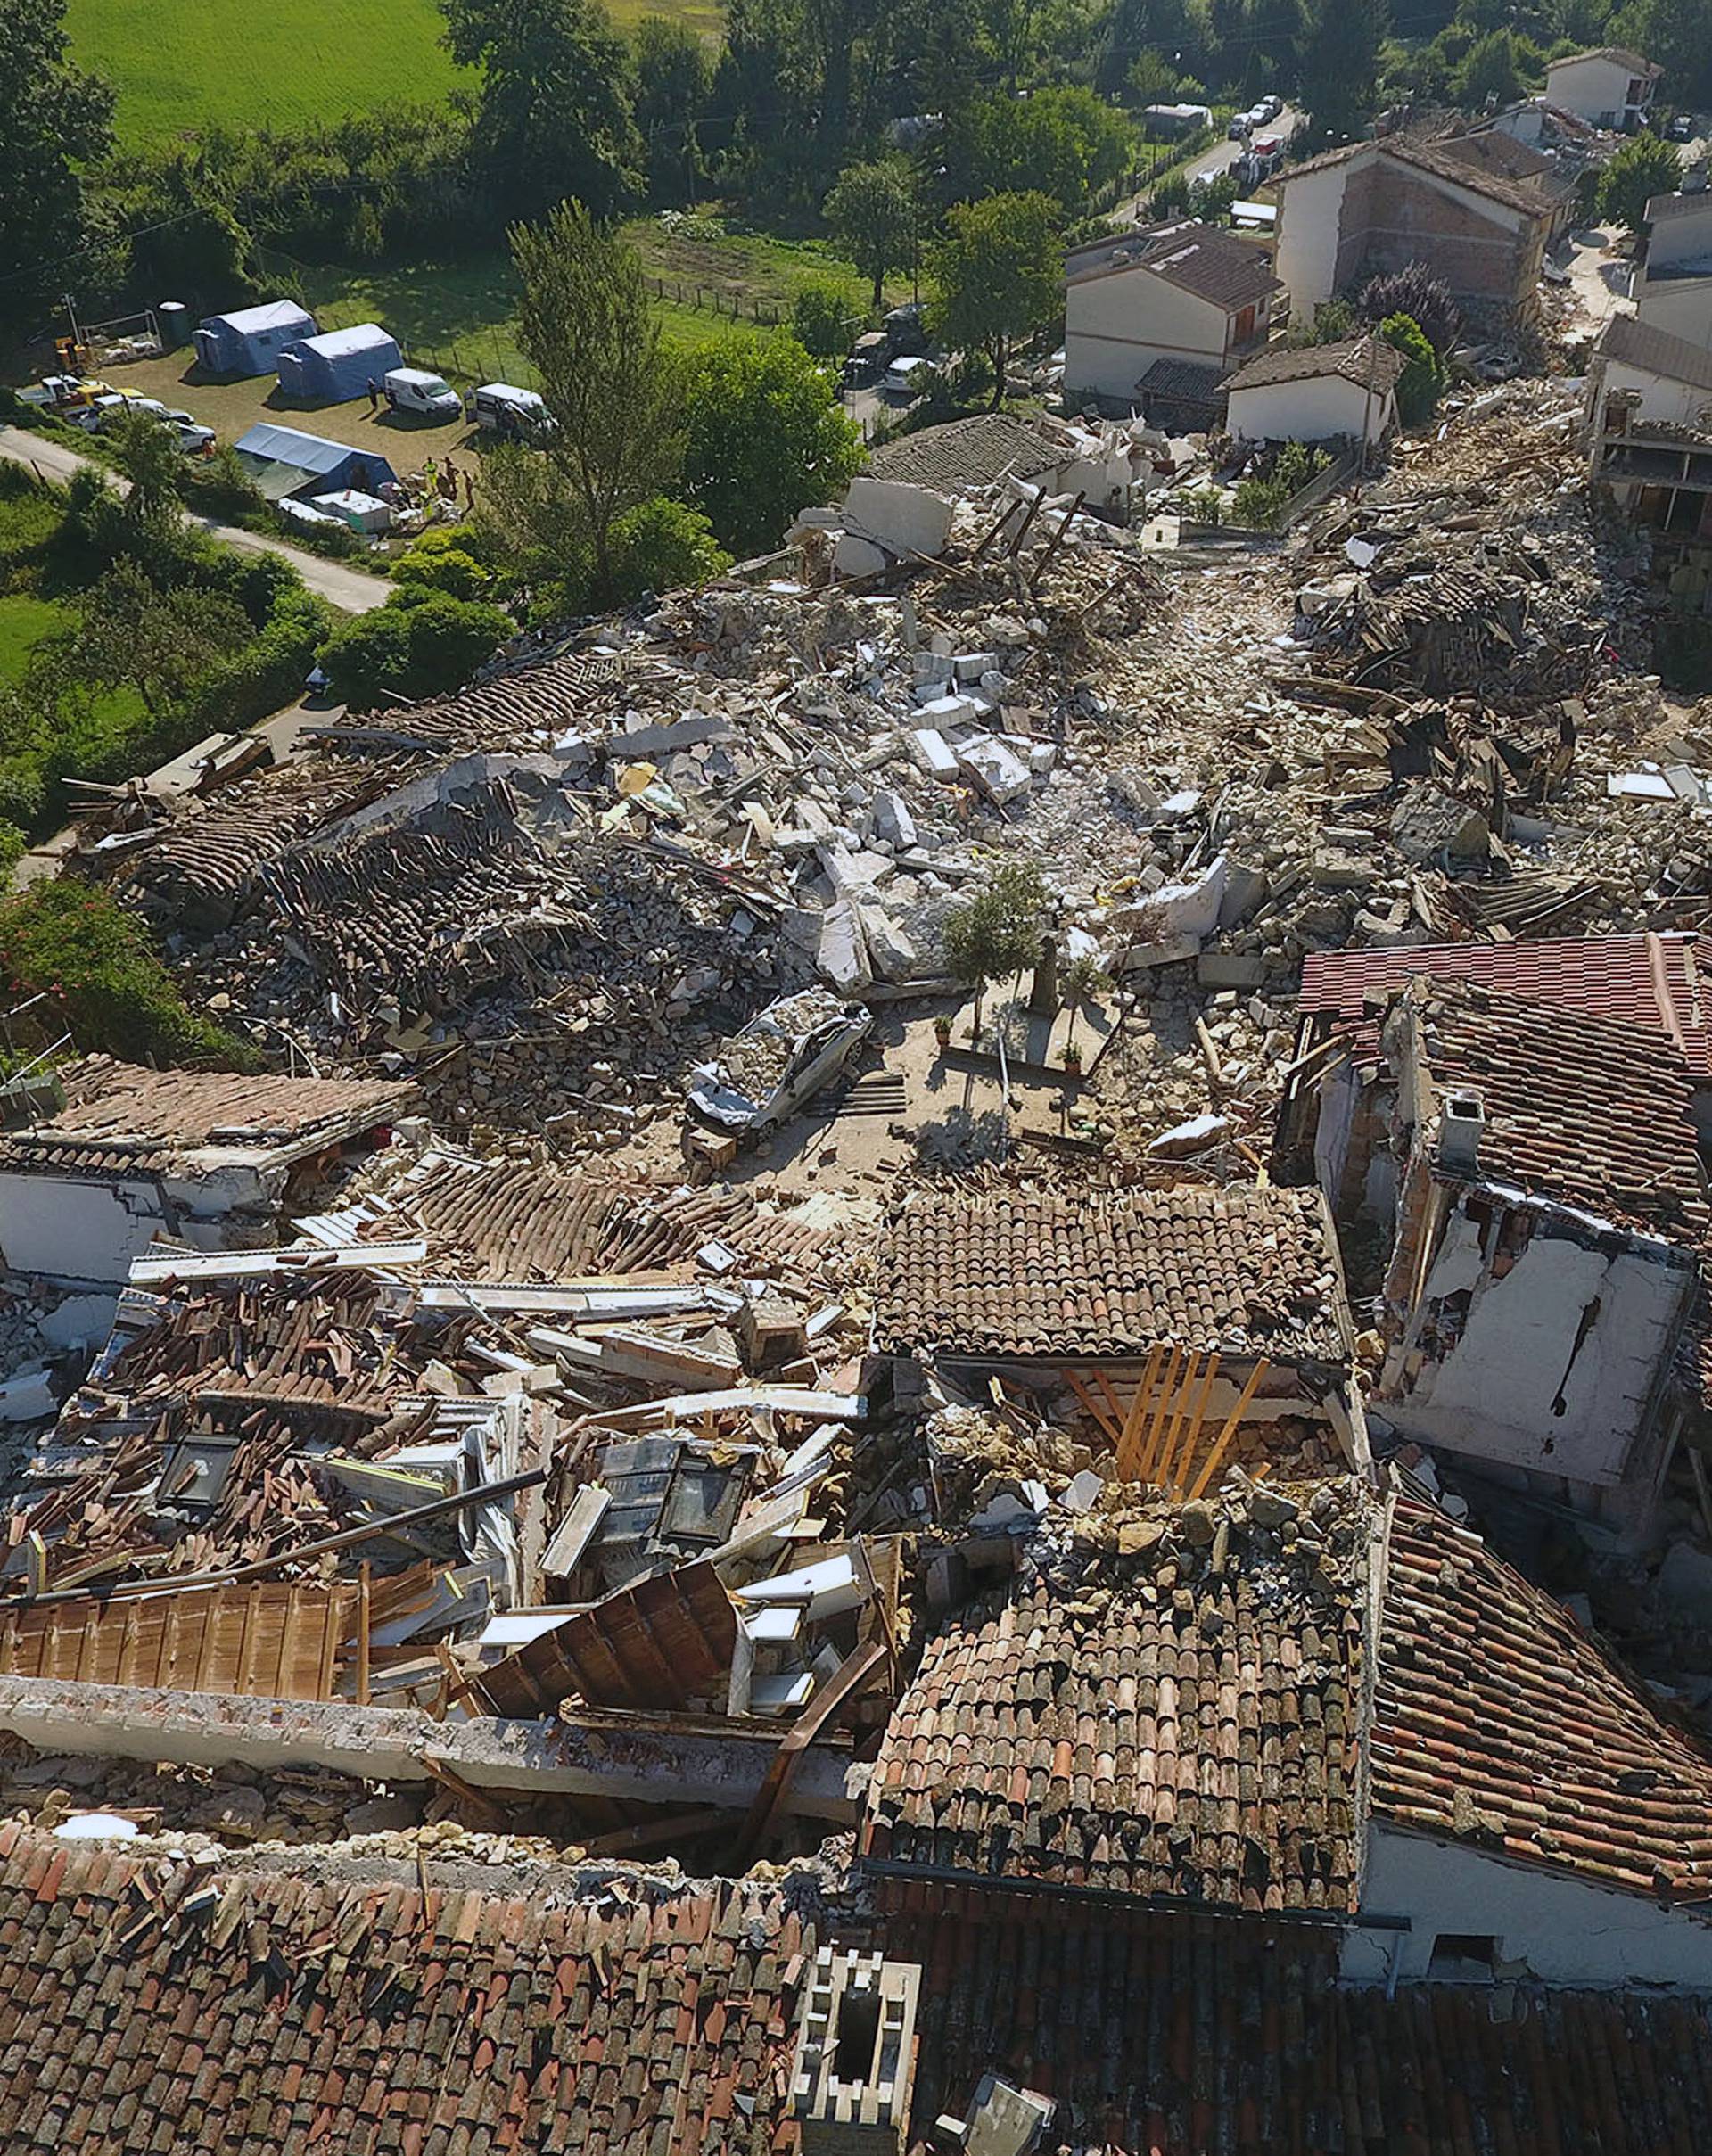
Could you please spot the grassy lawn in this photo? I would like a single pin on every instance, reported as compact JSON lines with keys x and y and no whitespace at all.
{"x":182,"y":64}
{"x":24,"y":620}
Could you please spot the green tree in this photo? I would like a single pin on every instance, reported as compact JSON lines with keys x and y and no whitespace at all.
{"x":1339,"y":64}
{"x":1066,"y":142}
{"x":673,"y":81}
{"x":1675,"y":34}
{"x":664,"y":546}
{"x":55,"y":121}
{"x":1418,"y":385}
{"x":555,"y":120}
{"x":1493,"y":71}
{"x":1643,"y":168}
{"x":423,"y":643}
{"x":132,"y":633}
{"x":997,"y":276}
{"x":153,"y":467}
{"x":611,"y":389}
{"x":997,"y":932}
{"x":871,"y":213}
{"x":821,"y":319}
{"x":80,"y":949}
{"x":766,"y":435}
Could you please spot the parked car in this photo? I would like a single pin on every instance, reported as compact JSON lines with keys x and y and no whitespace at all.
{"x":906,"y":331}
{"x":1238,"y":131}
{"x":411,"y":389}
{"x":1681,"y":128}
{"x":781,"y":1059}
{"x":867,"y":360}
{"x":1269,"y":107}
{"x":906,"y":377}
{"x":505,"y":409}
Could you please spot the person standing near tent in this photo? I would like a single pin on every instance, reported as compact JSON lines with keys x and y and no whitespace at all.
{"x":374,"y":397}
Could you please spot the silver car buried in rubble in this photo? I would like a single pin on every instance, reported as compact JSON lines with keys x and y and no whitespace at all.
{"x":778,"y":1062}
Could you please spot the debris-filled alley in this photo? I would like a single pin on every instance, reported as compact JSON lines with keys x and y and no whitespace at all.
{"x":951,"y":1388}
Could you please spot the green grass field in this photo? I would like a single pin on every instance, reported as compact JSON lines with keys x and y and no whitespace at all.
{"x":24,"y":620}
{"x":182,"y":64}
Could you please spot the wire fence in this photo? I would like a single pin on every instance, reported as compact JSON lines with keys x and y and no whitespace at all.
{"x":709,"y":299}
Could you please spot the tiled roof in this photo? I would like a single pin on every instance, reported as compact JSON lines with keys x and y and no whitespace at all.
{"x":1215,"y":264}
{"x":1137,"y":1735}
{"x":1245,"y":1269}
{"x":1430,"y":158}
{"x":299,"y":2011}
{"x":1362,"y":361}
{"x":1663,"y":980}
{"x":1501,"y":1721}
{"x":119,"y":1115}
{"x":1665,"y":209}
{"x":1619,"y":55}
{"x":974,"y":452}
{"x":1175,"y":2036}
{"x":1586,"y":1111}
{"x":1183,"y":381}
{"x":1655,"y":351}
{"x":1496,"y":152}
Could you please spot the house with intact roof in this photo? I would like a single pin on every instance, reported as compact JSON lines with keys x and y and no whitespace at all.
{"x":1609,"y":86}
{"x":1156,"y":318}
{"x":1373,"y":207}
{"x":1318,"y":392}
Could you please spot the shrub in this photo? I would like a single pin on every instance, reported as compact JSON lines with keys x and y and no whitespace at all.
{"x":1258,"y":503}
{"x":420,"y":643}
{"x":1418,"y":385}
{"x":219,"y":486}
{"x":821,"y":320}
{"x":441,"y":566}
{"x":1425,"y":299}
{"x":77,"y":947}
{"x":664,"y":546}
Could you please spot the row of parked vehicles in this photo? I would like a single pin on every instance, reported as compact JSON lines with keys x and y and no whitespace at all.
{"x":93,"y":405}
{"x":1257,"y":116}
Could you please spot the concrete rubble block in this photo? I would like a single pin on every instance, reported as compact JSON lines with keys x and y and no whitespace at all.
{"x":853,"y":875}
{"x":948,"y":712}
{"x":903,"y":519}
{"x":1428,"y":825}
{"x":890,"y":953}
{"x":1191,"y":1137}
{"x":1245,"y":888}
{"x":690,"y":731}
{"x":932,"y":753}
{"x":1001,"y":774}
{"x":973,"y":666}
{"x":1230,"y":969}
{"x":893,"y":822}
{"x":854,"y":555}
{"x":842,"y":960}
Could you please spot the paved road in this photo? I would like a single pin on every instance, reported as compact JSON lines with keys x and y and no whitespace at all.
{"x":348,"y":588}
{"x":1219,"y":158}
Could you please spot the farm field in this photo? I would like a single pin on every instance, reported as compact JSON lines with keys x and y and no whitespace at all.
{"x":183,"y":64}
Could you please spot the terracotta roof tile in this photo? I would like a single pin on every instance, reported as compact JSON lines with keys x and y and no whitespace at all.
{"x":312,"y":2012}
{"x":1244,"y":1270}
{"x":1161,"y":1729}
{"x":1362,"y":361}
{"x":1501,"y":1721}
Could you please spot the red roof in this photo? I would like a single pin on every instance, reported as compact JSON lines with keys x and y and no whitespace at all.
{"x":1661,"y":982}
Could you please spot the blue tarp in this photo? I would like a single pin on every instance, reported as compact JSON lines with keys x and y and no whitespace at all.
{"x":250,"y":340}
{"x":340,"y":366}
{"x":283,"y":461}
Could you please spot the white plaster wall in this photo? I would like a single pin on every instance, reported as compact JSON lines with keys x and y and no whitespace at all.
{"x":1687,"y":238}
{"x":1681,"y":306}
{"x":1596,"y":89}
{"x":1567,"y":1929}
{"x":1319,"y":410}
{"x":1117,"y":325}
{"x":1310,"y":214}
{"x":75,"y":1230}
{"x":1492,"y":1396}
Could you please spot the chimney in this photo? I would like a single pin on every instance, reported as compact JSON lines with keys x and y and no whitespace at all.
{"x":1462,"y":1119}
{"x":856,"y":2055}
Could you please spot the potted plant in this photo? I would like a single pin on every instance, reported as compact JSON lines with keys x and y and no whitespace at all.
{"x":942,"y":1031}
{"x":1073,"y":1059}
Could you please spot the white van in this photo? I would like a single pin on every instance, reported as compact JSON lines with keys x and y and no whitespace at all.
{"x":506,"y":410}
{"x":906,"y":377}
{"x":408,"y":389}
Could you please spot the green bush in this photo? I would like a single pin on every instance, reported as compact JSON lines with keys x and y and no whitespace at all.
{"x":77,"y":946}
{"x":439,"y":562}
{"x":1257,"y":504}
{"x":664,"y":546}
{"x":419,"y":644}
{"x":821,"y":320}
{"x":1418,"y":385}
{"x":219,"y":486}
